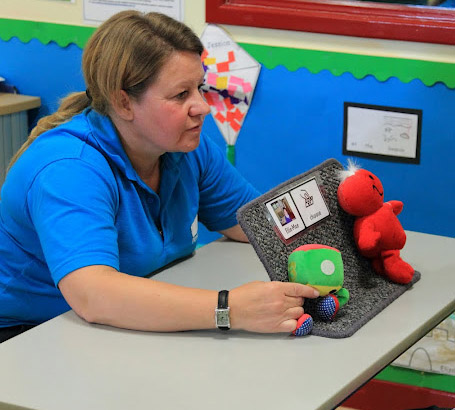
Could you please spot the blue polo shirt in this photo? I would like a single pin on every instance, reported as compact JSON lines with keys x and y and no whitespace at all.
{"x":73,"y":199}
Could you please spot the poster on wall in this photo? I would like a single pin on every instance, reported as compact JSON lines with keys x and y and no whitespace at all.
{"x":388,"y":133}
{"x":97,"y":11}
{"x":230,"y":79}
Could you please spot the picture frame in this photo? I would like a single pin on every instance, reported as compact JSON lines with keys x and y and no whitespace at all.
{"x":382,"y":132}
{"x":392,"y":21}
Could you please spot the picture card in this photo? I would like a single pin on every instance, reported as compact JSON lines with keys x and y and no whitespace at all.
{"x":285,"y":215}
{"x":310,"y":202}
{"x":298,"y":209}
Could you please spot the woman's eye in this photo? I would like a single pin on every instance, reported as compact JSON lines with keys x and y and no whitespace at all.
{"x":181,"y":95}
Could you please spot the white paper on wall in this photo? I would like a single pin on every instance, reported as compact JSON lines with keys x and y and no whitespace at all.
{"x":97,"y":11}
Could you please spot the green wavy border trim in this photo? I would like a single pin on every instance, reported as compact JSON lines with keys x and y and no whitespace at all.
{"x":62,"y":34}
{"x":382,"y":68}
{"x":418,"y":378}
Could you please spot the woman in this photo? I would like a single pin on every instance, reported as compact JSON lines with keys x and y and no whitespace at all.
{"x":110,"y":188}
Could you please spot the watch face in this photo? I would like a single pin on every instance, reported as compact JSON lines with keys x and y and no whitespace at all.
{"x":222,"y":317}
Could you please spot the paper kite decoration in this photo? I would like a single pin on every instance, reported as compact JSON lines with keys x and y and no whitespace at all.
{"x":230,"y":78}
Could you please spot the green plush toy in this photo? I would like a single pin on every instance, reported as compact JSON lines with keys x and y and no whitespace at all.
{"x":320,"y":267}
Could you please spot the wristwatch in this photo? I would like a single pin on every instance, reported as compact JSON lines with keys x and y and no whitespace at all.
{"x":222,"y":318}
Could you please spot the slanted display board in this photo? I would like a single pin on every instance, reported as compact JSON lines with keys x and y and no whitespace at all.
{"x":305,"y":210}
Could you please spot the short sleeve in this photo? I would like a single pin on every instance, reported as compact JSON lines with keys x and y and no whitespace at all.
{"x":72,"y":204}
{"x":223,"y":190}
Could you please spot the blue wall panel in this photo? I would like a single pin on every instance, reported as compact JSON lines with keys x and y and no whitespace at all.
{"x":47,"y":71}
{"x":294,"y":123}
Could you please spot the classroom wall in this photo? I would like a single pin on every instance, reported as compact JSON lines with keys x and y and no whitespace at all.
{"x":295,"y":123}
{"x":296,"y":117}
{"x":72,"y":13}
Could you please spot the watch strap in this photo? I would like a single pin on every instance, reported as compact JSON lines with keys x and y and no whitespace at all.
{"x":223,"y":296}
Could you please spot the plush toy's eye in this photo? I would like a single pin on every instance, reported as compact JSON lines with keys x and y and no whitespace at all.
{"x":371,"y":177}
{"x":327,"y":267}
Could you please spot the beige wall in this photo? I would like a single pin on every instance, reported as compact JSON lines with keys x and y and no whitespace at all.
{"x":60,"y":12}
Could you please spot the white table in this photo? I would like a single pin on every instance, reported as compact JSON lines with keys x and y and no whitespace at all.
{"x":68,"y":364}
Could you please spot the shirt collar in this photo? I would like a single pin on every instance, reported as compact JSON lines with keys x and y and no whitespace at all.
{"x":106,"y":138}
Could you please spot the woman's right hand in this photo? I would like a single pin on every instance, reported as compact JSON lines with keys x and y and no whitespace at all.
{"x":268,"y":307}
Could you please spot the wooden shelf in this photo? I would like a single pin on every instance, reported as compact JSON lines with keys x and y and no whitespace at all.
{"x":12,"y":103}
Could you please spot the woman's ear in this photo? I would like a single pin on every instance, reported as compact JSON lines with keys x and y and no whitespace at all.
{"x":121,"y":104}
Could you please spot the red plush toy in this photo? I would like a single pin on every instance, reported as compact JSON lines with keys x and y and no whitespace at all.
{"x":377,"y":230}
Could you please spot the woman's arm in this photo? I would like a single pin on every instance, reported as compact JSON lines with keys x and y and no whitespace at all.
{"x":236,"y":233}
{"x":100,"y":294}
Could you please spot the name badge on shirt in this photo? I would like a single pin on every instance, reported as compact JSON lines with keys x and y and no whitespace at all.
{"x":194,"y":229}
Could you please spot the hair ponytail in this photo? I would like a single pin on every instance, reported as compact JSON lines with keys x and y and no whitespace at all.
{"x":71,"y":105}
{"x":126,"y":52}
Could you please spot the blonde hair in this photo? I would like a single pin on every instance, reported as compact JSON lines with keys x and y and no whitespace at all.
{"x":125,"y":53}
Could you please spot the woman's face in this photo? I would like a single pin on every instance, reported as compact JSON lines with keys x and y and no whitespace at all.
{"x":168,"y":117}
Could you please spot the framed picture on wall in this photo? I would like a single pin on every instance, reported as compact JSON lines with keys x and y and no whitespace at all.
{"x":426,"y":21}
{"x":382,"y":132}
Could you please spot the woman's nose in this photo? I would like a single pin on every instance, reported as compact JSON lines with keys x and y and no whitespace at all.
{"x":200,"y":106}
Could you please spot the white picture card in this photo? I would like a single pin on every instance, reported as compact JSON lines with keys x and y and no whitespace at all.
{"x":298,"y":209}
{"x":310,"y":202}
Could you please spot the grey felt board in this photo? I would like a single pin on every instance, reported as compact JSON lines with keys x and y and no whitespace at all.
{"x":369,"y":292}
